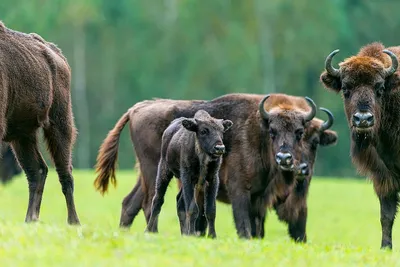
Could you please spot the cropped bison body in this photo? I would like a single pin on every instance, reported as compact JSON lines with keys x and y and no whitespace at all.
{"x":191,"y":150}
{"x":35,"y":93}
{"x":9,"y":166}
{"x":261,"y":144}
{"x":370,"y":86}
{"x":291,"y":209}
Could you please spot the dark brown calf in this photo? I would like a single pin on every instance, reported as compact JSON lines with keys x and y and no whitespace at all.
{"x":191,"y":150}
{"x":370,"y":87}
{"x":35,"y":93}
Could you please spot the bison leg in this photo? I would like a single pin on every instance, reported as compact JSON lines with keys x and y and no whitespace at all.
{"x":60,"y":135}
{"x":388,"y":213}
{"x":162,"y":181}
{"x":191,"y":207}
{"x":180,"y":210}
{"x":35,"y":168}
{"x":241,"y":212}
{"x":257,"y":218}
{"x":201,"y":222}
{"x":297,"y":228}
{"x":131,"y":205}
{"x":210,"y":204}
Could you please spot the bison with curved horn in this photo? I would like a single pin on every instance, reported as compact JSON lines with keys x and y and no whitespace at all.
{"x":291,"y":206}
{"x":369,"y":83}
{"x":261,"y":144}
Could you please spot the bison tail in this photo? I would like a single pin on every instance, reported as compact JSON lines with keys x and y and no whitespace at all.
{"x":108,"y":155}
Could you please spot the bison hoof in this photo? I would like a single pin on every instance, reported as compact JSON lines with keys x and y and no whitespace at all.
{"x":386,"y":245}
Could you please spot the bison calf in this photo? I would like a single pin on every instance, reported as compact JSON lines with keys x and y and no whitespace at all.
{"x":191,"y":150}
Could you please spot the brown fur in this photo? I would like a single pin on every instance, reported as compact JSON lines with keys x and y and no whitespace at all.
{"x":248,"y":168}
{"x":35,"y":91}
{"x":109,"y":149}
{"x":9,"y":166}
{"x":376,"y":150}
{"x":189,"y":152}
{"x":289,"y":202}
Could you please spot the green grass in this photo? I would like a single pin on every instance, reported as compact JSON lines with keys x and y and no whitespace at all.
{"x":343,"y":229}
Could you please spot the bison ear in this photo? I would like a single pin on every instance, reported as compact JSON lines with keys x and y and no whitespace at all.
{"x":227,"y":124}
{"x":328,"y":138}
{"x":393,"y":81}
{"x":190,"y":124}
{"x":330,"y":82}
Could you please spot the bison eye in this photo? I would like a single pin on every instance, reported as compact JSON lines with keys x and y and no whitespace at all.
{"x":272,"y":133}
{"x":346,"y":92}
{"x":299,"y":134}
{"x":204,"y":132}
{"x":315,"y":143}
{"x":380,"y":89}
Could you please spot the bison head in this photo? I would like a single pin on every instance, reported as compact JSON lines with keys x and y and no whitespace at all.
{"x":285,"y":126}
{"x":209,"y":132}
{"x":365,"y":81}
{"x":316,"y":133}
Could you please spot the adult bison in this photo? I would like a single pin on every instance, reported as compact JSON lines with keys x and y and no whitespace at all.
{"x":9,"y":166}
{"x":260,"y":145}
{"x":35,"y":93}
{"x":291,"y":208}
{"x":369,"y":82}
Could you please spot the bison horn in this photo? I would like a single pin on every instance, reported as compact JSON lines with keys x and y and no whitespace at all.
{"x":264,"y":114}
{"x":313,"y":111}
{"x":328,"y":64}
{"x":392,"y":69}
{"x":327,"y":124}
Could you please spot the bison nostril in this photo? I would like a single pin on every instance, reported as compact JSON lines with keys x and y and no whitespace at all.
{"x":303,"y":166}
{"x":284,"y":158}
{"x":220,"y":148}
{"x":363,"y":119}
{"x":356,"y":119}
{"x":370,"y":119}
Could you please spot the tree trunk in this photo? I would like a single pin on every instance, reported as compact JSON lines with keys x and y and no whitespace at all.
{"x":109,"y":73}
{"x":267,"y":61}
{"x":171,"y":12}
{"x":79,"y":95}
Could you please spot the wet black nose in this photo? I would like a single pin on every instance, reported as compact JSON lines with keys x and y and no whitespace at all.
{"x":303,"y":169}
{"x":363,"y":119}
{"x":284,"y":158}
{"x":219,"y":149}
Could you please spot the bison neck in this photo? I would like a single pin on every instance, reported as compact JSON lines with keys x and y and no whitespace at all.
{"x":378,"y":155}
{"x":208,"y":166}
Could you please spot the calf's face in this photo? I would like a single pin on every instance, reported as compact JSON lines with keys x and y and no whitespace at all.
{"x":209,"y":132}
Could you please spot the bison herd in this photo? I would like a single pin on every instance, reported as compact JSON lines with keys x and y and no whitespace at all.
{"x":255,"y":152}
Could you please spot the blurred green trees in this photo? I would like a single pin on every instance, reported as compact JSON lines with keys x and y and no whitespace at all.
{"x":122,"y":52}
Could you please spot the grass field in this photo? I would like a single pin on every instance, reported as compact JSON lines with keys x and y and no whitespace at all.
{"x":343,"y":230}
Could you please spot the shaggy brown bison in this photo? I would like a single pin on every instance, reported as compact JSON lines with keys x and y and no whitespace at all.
{"x":293,"y":208}
{"x":9,"y":166}
{"x":35,"y":93}
{"x":191,"y":150}
{"x":260,"y":145}
{"x":369,"y":82}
